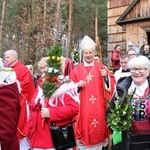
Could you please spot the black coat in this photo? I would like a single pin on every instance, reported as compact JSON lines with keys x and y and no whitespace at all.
{"x":121,"y":88}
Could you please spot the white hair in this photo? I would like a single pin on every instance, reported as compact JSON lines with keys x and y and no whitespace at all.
{"x":12,"y":52}
{"x":139,"y":60}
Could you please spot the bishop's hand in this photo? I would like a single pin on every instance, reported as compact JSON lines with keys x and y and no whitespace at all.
{"x":81,"y":83}
{"x":103,"y":72}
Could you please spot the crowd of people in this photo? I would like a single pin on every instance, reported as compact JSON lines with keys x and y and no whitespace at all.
{"x":131,"y":50}
{"x":81,"y":96}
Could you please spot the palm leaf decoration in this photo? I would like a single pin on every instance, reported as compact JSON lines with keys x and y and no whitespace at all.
{"x":120,"y":118}
{"x":53,"y":70}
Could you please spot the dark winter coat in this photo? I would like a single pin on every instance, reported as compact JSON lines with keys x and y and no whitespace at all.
{"x":121,"y":88}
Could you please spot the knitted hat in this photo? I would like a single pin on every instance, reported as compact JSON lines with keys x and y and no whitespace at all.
{"x":7,"y":75}
{"x":130,"y":44}
{"x":87,"y":44}
{"x":1,"y":63}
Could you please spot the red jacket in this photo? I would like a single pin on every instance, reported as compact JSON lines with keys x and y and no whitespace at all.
{"x":39,"y":136}
{"x":115,"y":59}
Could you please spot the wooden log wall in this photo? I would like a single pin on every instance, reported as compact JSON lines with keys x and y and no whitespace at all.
{"x":115,"y":33}
{"x":134,"y":25}
{"x":135,"y":32}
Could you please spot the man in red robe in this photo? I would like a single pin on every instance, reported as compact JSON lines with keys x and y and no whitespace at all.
{"x":27,"y":86}
{"x":67,"y":65}
{"x":96,"y":85}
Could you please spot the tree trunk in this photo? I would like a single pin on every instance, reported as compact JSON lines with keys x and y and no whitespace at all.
{"x":68,"y":51}
{"x":98,"y":46}
{"x":57,"y":22}
{"x":44,"y":25}
{"x":1,"y":24}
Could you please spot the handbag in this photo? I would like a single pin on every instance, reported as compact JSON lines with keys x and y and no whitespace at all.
{"x":62,"y":136}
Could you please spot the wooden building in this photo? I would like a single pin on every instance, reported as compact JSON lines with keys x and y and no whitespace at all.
{"x":128,"y":21}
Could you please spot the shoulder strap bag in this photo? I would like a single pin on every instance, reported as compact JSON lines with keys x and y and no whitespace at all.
{"x":63,"y":136}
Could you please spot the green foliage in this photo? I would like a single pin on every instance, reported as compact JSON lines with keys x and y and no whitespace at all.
{"x":24,"y":28}
{"x":55,"y":52}
{"x":53,"y":70}
{"x":84,"y":20}
{"x":120,"y":118}
{"x":48,"y":88}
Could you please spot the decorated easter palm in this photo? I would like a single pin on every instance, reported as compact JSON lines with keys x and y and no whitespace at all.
{"x":53,"y":70}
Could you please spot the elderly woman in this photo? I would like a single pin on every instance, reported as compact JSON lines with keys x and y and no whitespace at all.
{"x":138,"y":138}
{"x":61,"y":108}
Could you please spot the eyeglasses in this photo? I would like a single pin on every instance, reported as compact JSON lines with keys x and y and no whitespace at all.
{"x":141,"y":70}
{"x":132,"y":54}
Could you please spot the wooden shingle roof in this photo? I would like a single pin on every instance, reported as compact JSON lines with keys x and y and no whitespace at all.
{"x":138,"y":10}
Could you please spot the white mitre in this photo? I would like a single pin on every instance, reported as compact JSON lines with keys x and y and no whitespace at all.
{"x":87,"y":44}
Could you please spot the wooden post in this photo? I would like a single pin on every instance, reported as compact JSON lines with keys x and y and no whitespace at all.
{"x":99,"y":51}
{"x":44,"y":25}
{"x":1,"y":24}
{"x":57,"y":22}
{"x":69,"y":29}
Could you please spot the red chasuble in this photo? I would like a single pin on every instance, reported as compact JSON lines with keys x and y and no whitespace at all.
{"x":9,"y":115}
{"x":27,"y":85}
{"x":91,"y":127}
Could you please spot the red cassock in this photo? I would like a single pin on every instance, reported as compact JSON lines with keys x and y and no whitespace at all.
{"x":91,"y":127}
{"x":67,"y":66}
{"x":62,"y":114}
{"x":9,"y":115}
{"x":27,"y":92}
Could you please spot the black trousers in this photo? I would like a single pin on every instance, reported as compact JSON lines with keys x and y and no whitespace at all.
{"x":105,"y":148}
{"x":125,"y":144}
